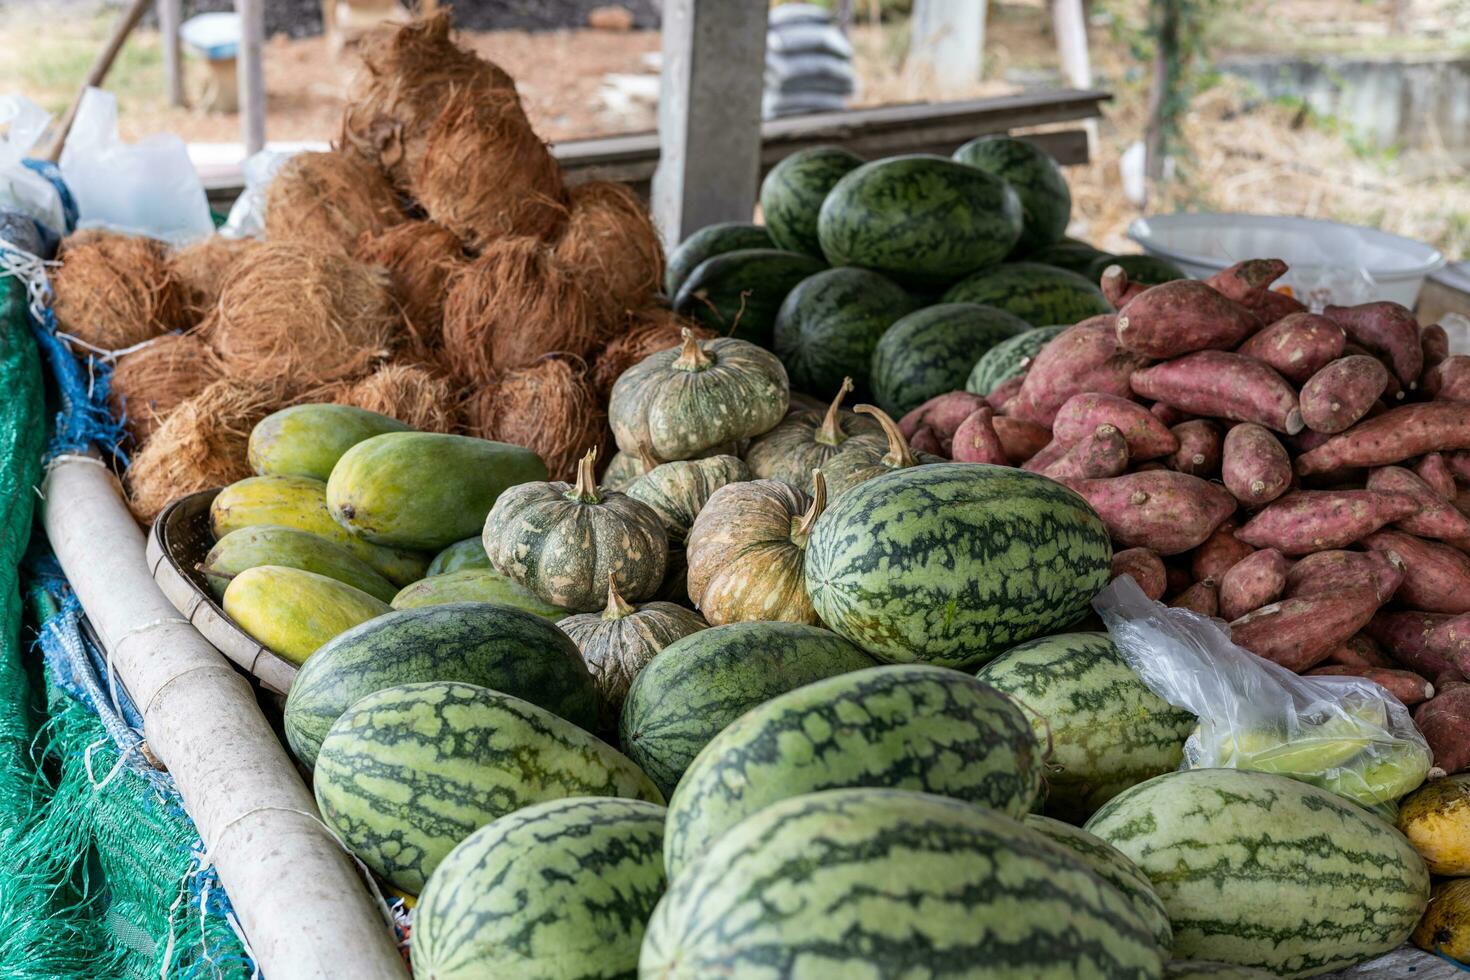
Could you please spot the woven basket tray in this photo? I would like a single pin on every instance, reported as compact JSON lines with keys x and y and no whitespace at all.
{"x":177,"y":544}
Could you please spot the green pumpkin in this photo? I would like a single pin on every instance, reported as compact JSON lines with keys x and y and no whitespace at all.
{"x":807,"y":441}
{"x":683,"y":402}
{"x":564,"y":541}
{"x":679,"y":490}
{"x":617,"y":642}
{"x":625,"y":469}
{"x":863,"y":461}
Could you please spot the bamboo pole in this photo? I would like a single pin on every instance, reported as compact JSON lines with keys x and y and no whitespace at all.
{"x":300,"y":901}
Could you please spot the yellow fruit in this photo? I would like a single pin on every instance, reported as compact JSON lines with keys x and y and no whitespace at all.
{"x":1379,"y":777}
{"x":307,"y":440}
{"x":1436,"y":819}
{"x":293,"y":611}
{"x":1445,"y":928}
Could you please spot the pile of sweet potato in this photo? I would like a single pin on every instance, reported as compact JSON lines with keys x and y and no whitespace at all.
{"x":1304,"y":477}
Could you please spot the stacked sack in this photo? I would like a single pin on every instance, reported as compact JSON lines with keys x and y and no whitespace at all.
{"x":808,"y":63}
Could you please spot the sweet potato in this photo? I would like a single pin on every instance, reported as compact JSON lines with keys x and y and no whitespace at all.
{"x":1360,"y":651}
{"x":1405,"y":685}
{"x":1451,"y":640}
{"x":1405,"y":637}
{"x":1102,"y":454}
{"x":1449,"y":380}
{"x":1180,"y":317}
{"x":1297,"y":346}
{"x":1437,"y":517}
{"x":1168,"y":414}
{"x":1246,"y":281}
{"x":1045,"y":456}
{"x":1458,"y":463}
{"x":1305,"y":521}
{"x":1436,"y":576}
{"x":1147,"y":437}
{"x":925,"y":440}
{"x":1342,"y":392}
{"x":1146,"y":568}
{"x":1433,"y":470}
{"x":975,"y":440}
{"x":1387,"y":329}
{"x":1005,"y":392}
{"x":1201,"y":597}
{"x":1176,"y":579}
{"x":1020,"y":439}
{"x":1435,"y":344}
{"x":1219,"y":552}
{"x":1256,"y":580}
{"x":1274,"y":305}
{"x":1306,"y":440}
{"x":1450,"y":678}
{"x":1444,"y":721}
{"x":1254,"y":465}
{"x":1166,"y":511}
{"x":942,"y":413}
{"x":1299,"y":633}
{"x":1116,"y":288}
{"x":1332,"y":571}
{"x":1398,"y":434}
{"x":1085,"y":357}
{"x":1223,"y":385}
{"x":1200,"y":447}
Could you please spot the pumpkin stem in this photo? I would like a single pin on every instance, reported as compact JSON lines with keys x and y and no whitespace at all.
{"x":586,"y":488}
{"x":830,"y":433}
{"x":691,"y":356}
{"x":803,"y":529}
{"x":617,"y":606}
{"x":646,"y":459}
{"x":899,"y":456}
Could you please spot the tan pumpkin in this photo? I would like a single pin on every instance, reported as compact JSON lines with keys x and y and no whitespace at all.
{"x":863,"y":461}
{"x":807,"y":441}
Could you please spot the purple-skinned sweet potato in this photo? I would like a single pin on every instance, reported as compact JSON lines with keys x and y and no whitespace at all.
{"x":1433,"y":470}
{"x":1116,"y":288}
{"x":1451,"y":640}
{"x":1437,"y":517}
{"x":1299,"y":633}
{"x":1435,"y":344}
{"x":1005,"y":393}
{"x":1200,"y":448}
{"x":1168,"y":414}
{"x":1020,"y":439}
{"x":1254,"y":465}
{"x":1145,"y":567}
{"x":1325,"y":572}
{"x":1387,"y":329}
{"x":1360,"y":650}
{"x":1342,"y":392}
{"x":1102,"y":454}
{"x":1147,"y":437}
{"x":1256,"y":580}
{"x":1436,"y":576}
{"x":975,"y":440}
{"x":1444,"y":721}
{"x":942,"y":413}
{"x":1297,"y":346}
{"x":1396,"y":435}
{"x":1085,"y":357}
{"x":1181,"y":317}
{"x":1222,"y":384}
{"x":1248,"y":280}
{"x":1045,"y":456}
{"x":926,"y":440}
{"x":1405,"y":685}
{"x":1305,"y":521}
{"x":1404,"y":636}
{"x":1162,"y":510}
{"x":1449,"y":380}
{"x":1218,"y":553}
{"x":1458,"y":463}
{"x":1201,"y":597}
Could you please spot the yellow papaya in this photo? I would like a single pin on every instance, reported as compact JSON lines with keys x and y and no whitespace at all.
{"x":307,"y":440}
{"x":424,"y":490}
{"x":271,"y":544}
{"x":1445,"y":928}
{"x":293,"y":611}
{"x":1436,"y":819}
{"x":1381,"y":777}
{"x":474,"y":585}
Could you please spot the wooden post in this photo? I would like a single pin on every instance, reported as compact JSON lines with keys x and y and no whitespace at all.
{"x":170,"y":16}
{"x":1069,"y":20}
{"x":947,"y":44}
{"x":252,"y":74}
{"x":101,"y":65}
{"x":1166,"y":57}
{"x":709,"y":114}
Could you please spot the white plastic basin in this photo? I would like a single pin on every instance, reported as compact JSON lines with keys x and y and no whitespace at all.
{"x":1318,"y":252}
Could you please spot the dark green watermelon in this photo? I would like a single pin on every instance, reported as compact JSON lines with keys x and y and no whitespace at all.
{"x":1008,"y":359}
{"x":922,"y":220}
{"x":933,"y":350}
{"x":1039,"y":294}
{"x":793,"y":192}
{"x":830,"y":323}
{"x":1046,"y":201}
{"x":707,"y":242}
{"x":1147,"y":269}
{"x":1069,"y":254}
{"x":737,"y":294}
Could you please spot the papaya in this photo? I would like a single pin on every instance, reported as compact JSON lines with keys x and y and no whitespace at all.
{"x":469,"y":553}
{"x":1445,"y":928}
{"x":474,"y":585}
{"x":301,"y":502}
{"x":1436,"y":819}
{"x":293,"y":612}
{"x":424,"y":490}
{"x":307,"y":440}
{"x":271,"y":544}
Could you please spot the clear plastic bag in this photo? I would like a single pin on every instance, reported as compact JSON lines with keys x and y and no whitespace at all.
{"x":22,"y":123}
{"x":1345,"y":734}
{"x":247,"y":216}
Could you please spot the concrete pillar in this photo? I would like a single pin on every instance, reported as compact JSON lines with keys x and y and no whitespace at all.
{"x":252,"y":73}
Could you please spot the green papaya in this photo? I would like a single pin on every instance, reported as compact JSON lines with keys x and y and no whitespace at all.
{"x":474,"y":585}
{"x":271,"y":544}
{"x":307,"y":440}
{"x":293,"y":611}
{"x":424,"y":490}
{"x":469,"y":553}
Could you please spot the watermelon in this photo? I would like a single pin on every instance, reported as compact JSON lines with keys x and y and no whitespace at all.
{"x":469,"y":553}
{"x":793,"y":192}
{"x":1147,"y":269}
{"x":408,"y":772}
{"x":1206,"y":970}
{"x":498,"y":647}
{"x":556,"y":891}
{"x":1008,"y":359}
{"x":737,"y":294}
{"x":887,"y":883}
{"x":830,"y":323}
{"x":904,"y":727}
{"x":922,"y":220}
{"x":696,"y":686}
{"x":1046,"y":201}
{"x":1039,"y":294}
{"x":931,"y":351}
{"x":1262,"y":870}
{"x":954,"y":563}
{"x":706,"y":243}
{"x":1107,"y":731}
{"x":1069,"y":254}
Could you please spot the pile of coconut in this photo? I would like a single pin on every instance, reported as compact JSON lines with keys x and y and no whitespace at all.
{"x":434,"y":266}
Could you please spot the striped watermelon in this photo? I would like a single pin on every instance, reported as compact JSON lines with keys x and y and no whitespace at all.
{"x":1206,"y":970}
{"x":556,"y":891}
{"x":1008,"y":359}
{"x":698,"y":685}
{"x":1046,"y":201}
{"x":707,"y":242}
{"x":408,"y":772}
{"x":1265,"y":871}
{"x":830,"y":323}
{"x":1039,"y":294}
{"x":1069,"y":254}
{"x":886,"y":883}
{"x":498,"y":647}
{"x":469,"y":553}
{"x":931,"y":351}
{"x":793,"y":192}
{"x":922,"y":220}
{"x":909,"y":727}
{"x":1107,"y":731}
{"x":954,"y":563}
{"x":737,"y":294}
{"x":1148,"y":269}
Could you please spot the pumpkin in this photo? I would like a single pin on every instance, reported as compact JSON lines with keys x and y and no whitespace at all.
{"x":617,"y":642}
{"x":563,"y":541}
{"x":624,"y":469}
{"x":682,"y":402}
{"x":807,"y":441}
{"x":679,"y":490}
{"x":863,"y":461}
{"x":747,"y":552}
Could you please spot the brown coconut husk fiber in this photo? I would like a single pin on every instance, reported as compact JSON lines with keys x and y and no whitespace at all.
{"x":297,"y":313}
{"x":201,"y":269}
{"x":513,"y":304}
{"x":200,"y":445}
{"x":610,"y":235}
{"x":548,"y":407}
{"x":329,"y":200}
{"x":420,"y":256}
{"x":115,"y":291}
{"x":408,"y":393}
{"x":648,"y":331}
{"x":148,"y":384}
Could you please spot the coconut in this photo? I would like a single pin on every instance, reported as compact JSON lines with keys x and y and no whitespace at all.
{"x":297,"y":313}
{"x":150,"y":382}
{"x":406,"y":392}
{"x":329,"y":200}
{"x":648,"y":331}
{"x":115,"y":291}
{"x":420,"y":256}
{"x":610,"y":236}
{"x":201,"y":269}
{"x":549,"y":407}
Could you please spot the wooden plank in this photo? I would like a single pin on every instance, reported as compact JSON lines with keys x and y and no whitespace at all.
{"x":170,"y":17}
{"x":252,"y":74}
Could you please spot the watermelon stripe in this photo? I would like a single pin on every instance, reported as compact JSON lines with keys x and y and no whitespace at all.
{"x":1039,"y":294}
{"x":933,"y":350}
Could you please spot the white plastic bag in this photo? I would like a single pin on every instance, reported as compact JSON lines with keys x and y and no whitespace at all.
{"x":22,"y":123}
{"x":247,"y":215}
{"x":1345,"y":734}
{"x":144,"y":188}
